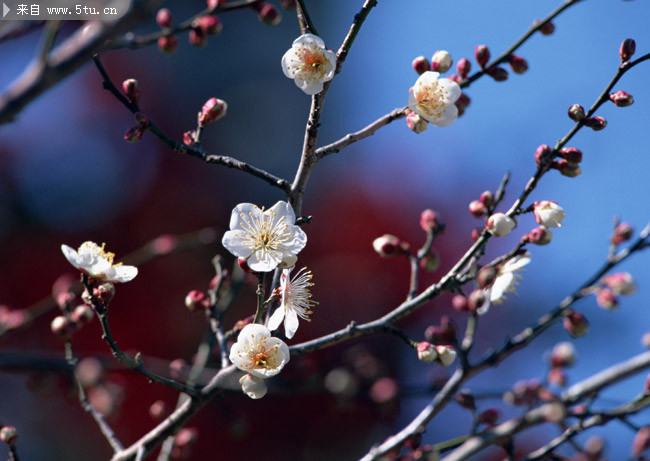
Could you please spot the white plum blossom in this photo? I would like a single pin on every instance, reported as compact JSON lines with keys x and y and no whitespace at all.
{"x":426,"y":351}
{"x":507,"y":277}
{"x":549,"y":214}
{"x":295,"y":301}
{"x":446,"y":355}
{"x":309,"y":64}
{"x":93,"y":260}
{"x":264,"y":238}
{"x":260,"y":355}
{"x":500,"y":224}
{"x":433,"y":98}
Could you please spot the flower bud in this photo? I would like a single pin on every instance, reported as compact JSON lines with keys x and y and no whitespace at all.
{"x":216,"y":3}
{"x":426,"y":351}
{"x":243,"y":264}
{"x":210,"y":25}
{"x":641,"y":441}
{"x":89,"y":371}
{"x":131,"y":89}
{"x":64,"y":300}
{"x":105,"y":293}
{"x":486,"y":276}
{"x":429,"y":220}
{"x":430,"y":261}
{"x":563,"y":355}
{"x":134,"y":134}
{"x":482,"y":55}
{"x":158,"y":410}
{"x":500,"y":224}
{"x":416,"y":123}
{"x":269,"y":15}
{"x":463,"y":67}
{"x":212,"y":110}
{"x":576,"y":112}
{"x":82,"y":314}
{"x":487,"y":198}
{"x":499,"y":74}
{"x":288,"y":4}
{"x":542,"y":154}
{"x":384,"y":390}
{"x":142,"y":120}
{"x":571,"y":155}
{"x":518,"y":64}
{"x":441,"y":61}
{"x":62,"y":327}
{"x":621,"y":99}
{"x":463,"y":101}
{"x":421,"y":65}
{"x":197,"y":37}
{"x":621,"y":283}
{"x":196,"y":300}
{"x":606,"y":299}
{"x":465,"y":399}
{"x":489,"y":416}
{"x":546,"y":29}
{"x":575,"y":324}
{"x":388,"y":246}
{"x":567,"y":168}
{"x":628,"y":47}
{"x":477,"y":208}
{"x":596,"y":123}
{"x":8,"y":435}
{"x":549,"y":213}
{"x":164,"y":18}
{"x":446,"y":355}
{"x":556,"y":376}
{"x":540,"y":236}
{"x":188,"y":138}
{"x":459,"y":303}
{"x":476,"y":300}
{"x":622,"y":233}
{"x":444,"y":333}
{"x":475,"y":234}
{"x":168,"y":45}
{"x":186,"y":436}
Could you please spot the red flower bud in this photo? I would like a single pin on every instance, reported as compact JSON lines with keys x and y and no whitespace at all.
{"x":622,"y":233}
{"x":134,"y":134}
{"x":540,"y":236}
{"x":197,"y":37}
{"x":518,"y":64}
{"x":459,"y":302}
{"x":421,"y":65}
{"x":628,"y":47}
{"x":466,"y":400}
{"x":168,"y":45}
{"x":477,"y":208}
{"x":486,"y":276}
{"x":196,"y":300}
{"x":567,"y":168}
{"x":463,"y":67}
{"x":212,"y":110}
{"x":576,"y":112}
{"x":499,"y":74}
{"x":429,"y":220}
{"x":188,"y":138}
{"x":546,"y":29}
{"x":131,"y":89}
{"x":571,"y":155}
{"x":575,"y":324}
{"x":621,"y":99}
{"x":489,"y":416}
{"x":542,"y":154}
{"x":482,"y":55}
{"x":164,"y":18}
{"x":487,"y":198}
{"x":210,"y":25}
{"x":463,"y":101}
{"x":596,"y":123}
{"x":269,"y":15}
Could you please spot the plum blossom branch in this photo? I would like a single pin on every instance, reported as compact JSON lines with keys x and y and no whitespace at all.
{"x":306,"y":25}
{"x":194,"y":151}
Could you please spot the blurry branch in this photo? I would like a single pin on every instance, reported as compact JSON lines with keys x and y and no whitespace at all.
{"x":45,"y":72}
{"x":551,"y":411}
{"x":160,"y":246}
{"x":399,"y":113}
{"x":306,"y":26}
{"x":13,"y":453}
{"x":133,"y":42}
{"x":194,"y":151}
{"x":416,"y":259}
{"x":47,"y":40}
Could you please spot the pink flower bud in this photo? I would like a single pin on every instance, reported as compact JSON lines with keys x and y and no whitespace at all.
{"x":459,"y":303}
{"x":64,"y":300}
{"x":82,"y":314}
{"x":641,"y":441}
{"x":426,"y":351}
{"x":104,"y":292}
{"x":466,"y":400}
{"x":196,"y":300}
{"x":421,"y":65}
{"x":463,"y":67}
{"x":477,"y":208}
{"x":384,"y":390}
{"x":628,"y":47}
{"x":62,"y":327}
{"x":288,"y":4}
{"x":621,"y":283}
{"x":444,"y":333}
{"x":556,"y":376}
{"x":446,"y":355}
{"x":168,"y":45}
{"x":566,"y":168}
{"x":546,"y":29}
{"x":575,"y":324}
{"x":549,"y":213}
{"x":489,"y":416}
{"x":388,"y":246}
{"x":141,"y":119}
{"x":500,"y":224}
{"x":622,"y":233}
{"x":518,"y":64}
{"x":475,"y":234}
{"x":576,"y":112}
{"x":186,"y":436}
{"x":571,"y":155}
{"x":454,"y":78}
{"x":563,"y":355}
{"x":210,"y":25}
{"x":429,"y":220}
{"x":540,"y":236}
{"x":134,"y":134}
{"x":164,"y":18}
{"x":269,"y":15}
{"x":158,"y":410}
{"x":430,"y":261}
{"x":476,"y":300}
{"x":542,"y":154}
{"x":487,"y":198}
{"x":482,"y":55}
{"x":606,"y":299}
{"x":89,"y":371}
{"x":441,"y":61}
{"x":596,"y":123}
{"x":243,"y":264}
{"x":131,"y":89}
{"x":212,"y":110}
{"x":197,"y":36}
{"x":499,"y":74}
{"x":188,"y":138}
{"x":216,"y":3}
{"x":486,"y":276}
{"x":416,"y":123}
{"x":8,"y":435}
{"x":463,"y":101}
{"x":621,"y":99}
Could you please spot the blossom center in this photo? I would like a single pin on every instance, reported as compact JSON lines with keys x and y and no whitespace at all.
{"x":262,"y":358}
{"x":266,"y":233}
{"x":431,"y":99}
{"x":313,"y":62}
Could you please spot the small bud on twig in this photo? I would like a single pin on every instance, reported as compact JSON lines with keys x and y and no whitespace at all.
{"x":628,"y":47}
{"x":482,"y":55}
{"x":421,"y":65}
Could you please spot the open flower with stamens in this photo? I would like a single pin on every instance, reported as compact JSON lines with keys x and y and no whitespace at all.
{"x":93,"y":260}
{"x":296,"y":301}
{"x":433,"y":98}
{"x":309,"y":64}
{"x":260,"y":355}
{"x":507,"y":277}
{"x":264,"y":238}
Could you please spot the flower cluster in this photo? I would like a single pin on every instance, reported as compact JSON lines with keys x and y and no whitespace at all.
{"x":433,"y":99}
{"x":93,"y":260}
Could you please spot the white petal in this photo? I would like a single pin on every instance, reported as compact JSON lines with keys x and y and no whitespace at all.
{"x":253,"y":386}
{"x":71,"y":255}
{"x":253,"y":333}
{"x":297,"y":242}
{"x":309,"y":39}
{"x":233,"y":242}
{"x":124,"y":273}
{"x":288,"y":59}
{"x":282,"y":208}
{"x":501,"y":285}
{"x":449,"y":116}
{"x":276,"y":319}
{"x":309,"y":88}
{"x":517,"y":262}
{"x":263,"y":261}
{"x":451,"y":89}
{"x":427,"y":78}
{"x":100,"y":268}
{"x":331,"y":57}
{"x":290,"y":323}
{"x":249,"y":211}
{"x":483,"y":308}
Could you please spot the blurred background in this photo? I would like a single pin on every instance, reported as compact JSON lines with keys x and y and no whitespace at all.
{"x":67,"y":176}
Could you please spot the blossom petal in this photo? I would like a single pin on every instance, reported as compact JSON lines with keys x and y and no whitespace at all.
{"x":427,"y":78}
{"x":253,"y":386}
{"x":297,"y":242}
{"x":451,"y":90}
{"x":449,"y":116}
{"x":233,"y":242}
{"x":517,"y":262}
{"x":501,"y":286}
{"x":290,"y":323}
{"x":288,"y":59}
{"x":276,"y":319}
{"x":307,"y":39}
{"x":124,"y":273}
{"x":71,"y":255}
{"x":243,"y":210}
{"x":282,"y":208}
{"x":263,"y":261}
